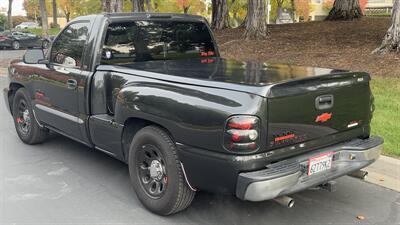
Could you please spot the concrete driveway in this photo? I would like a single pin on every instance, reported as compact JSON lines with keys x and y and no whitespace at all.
{"x":64,"y":182}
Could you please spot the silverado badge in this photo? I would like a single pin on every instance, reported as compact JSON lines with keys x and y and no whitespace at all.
{"x":323,"y":117}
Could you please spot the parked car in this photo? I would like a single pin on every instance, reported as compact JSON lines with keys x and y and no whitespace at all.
{"x":152,"y":91}
{"x":26,"y":25}
{"x":284,"y":17}
{"x":17,"y":40}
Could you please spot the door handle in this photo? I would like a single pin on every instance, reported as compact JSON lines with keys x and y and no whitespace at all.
{"x":324,"y":102}
{"x":61,"y":69}
{"x":72,"y":84}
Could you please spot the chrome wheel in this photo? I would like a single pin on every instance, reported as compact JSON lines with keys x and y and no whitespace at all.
{"x":23,"y":118}
{"x":15,"y":45}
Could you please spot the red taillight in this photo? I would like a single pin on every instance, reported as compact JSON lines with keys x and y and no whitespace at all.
{"x":2,"y":38}
{"x":236,"y":137}
{"x":243,"y":125}
{"x":242,"y":133}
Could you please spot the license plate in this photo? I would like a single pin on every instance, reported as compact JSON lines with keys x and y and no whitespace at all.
{"x":319,"y":163}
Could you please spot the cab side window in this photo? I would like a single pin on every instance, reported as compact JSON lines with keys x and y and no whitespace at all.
{"x":69,"y":46}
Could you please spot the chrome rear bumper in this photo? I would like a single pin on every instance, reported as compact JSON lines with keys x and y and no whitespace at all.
{"x":290,"y":175}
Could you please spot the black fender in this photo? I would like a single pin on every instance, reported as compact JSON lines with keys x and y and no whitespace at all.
{"x":194,"y":115}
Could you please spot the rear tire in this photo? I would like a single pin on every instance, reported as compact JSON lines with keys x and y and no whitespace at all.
{"x":28,"y":130}
{"x":45,"y":44}
{"x":156,"y":172}
{"x":15,"y":45}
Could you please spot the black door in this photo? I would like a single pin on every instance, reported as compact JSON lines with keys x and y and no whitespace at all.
{"x":33,"y":41}
{"x":56,"y":84}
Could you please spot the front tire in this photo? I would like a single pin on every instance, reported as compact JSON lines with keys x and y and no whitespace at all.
{"x":15,"y":45}
{"x":28,"y":130}
{"x":156,"y":172}
{"x":45,"y":44}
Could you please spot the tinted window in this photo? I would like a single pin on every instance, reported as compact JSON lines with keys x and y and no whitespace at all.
{"x":156,"y":40}
{"x":68,"y":47}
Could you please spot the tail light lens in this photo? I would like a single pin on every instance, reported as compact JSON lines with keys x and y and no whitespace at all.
{"x":242,"y":134}
{"x":2,"y":38}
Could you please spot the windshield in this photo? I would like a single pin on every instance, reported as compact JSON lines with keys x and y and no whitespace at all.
{"x":140,"y":41}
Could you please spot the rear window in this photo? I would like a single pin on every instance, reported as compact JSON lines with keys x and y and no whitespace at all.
{"x":140,"y":41}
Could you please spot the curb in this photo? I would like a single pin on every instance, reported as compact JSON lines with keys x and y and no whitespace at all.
{"x":385,"y":172}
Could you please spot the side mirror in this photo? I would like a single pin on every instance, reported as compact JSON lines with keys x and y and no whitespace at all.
{"x":33,"y":56}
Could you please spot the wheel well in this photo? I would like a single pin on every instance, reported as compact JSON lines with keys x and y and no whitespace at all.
{"x":131,"y":127}
{"x":13,"y":89}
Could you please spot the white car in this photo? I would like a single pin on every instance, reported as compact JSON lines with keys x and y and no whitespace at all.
{"x":25,"y":25}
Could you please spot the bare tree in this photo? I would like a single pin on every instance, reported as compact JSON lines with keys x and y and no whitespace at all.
{"x":279,"y":8}
{"x":55,"y":23}
{"x":345,"y":10}
{"x":106,"y":5}
{"x":220,"y":16}
{"x":9,"y":14}
{"x":43,"y":15}
{"x":256,"y":20}
{"x":391,"y":41}
{"x":186,"y":9}
{"x":120,"y":6}
{"x":293,"y":11}
{"x":149,"y":8}
{"x":138,"y":5}
{"x":112,"y":5}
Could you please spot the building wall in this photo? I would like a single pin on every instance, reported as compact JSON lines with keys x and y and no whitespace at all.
{"x":319,"y":13}
{"x":379,"y":3}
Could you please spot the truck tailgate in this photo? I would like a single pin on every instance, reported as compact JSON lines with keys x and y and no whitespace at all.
{"x":310,"y":111}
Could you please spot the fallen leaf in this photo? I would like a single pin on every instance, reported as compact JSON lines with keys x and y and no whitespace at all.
{"x":360,"y":217}
{"x":381,"y":179}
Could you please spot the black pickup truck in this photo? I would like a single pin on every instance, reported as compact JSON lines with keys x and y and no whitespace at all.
{"x":151,"y":90}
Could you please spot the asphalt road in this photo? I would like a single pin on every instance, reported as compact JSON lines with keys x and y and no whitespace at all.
{"x":7,"y":55}
{"x":63,"y":182}
{"x":11,"y":54}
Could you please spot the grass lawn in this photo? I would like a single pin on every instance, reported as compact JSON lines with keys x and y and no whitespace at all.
{"x":386,"y":121}
{"x":38,"y":31}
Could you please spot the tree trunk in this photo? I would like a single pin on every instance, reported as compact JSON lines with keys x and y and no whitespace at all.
{"x":9,"y":14}
{"x":186,"y":9}
{"x":345,"y":10}
{"x":55,"y":24}
{"x":43,"y":15}
{"x":256,"y":23}
{"x":148,"y":6}
{"x":112,"y":6}
{"x":279,"y":9}
{"x":391,"y":41}
{"x":220,"y":16}
{"x":137,"y":5}
{"x":106,"y":5}
{"x":119,"y":5}
{"x":293,"y":11}
{"x":67,"y":16}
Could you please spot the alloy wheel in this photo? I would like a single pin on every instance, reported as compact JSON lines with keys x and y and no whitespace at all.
{"x":151,"y":171}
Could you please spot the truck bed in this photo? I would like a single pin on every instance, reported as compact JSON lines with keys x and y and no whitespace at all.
{"x":250,"y":77}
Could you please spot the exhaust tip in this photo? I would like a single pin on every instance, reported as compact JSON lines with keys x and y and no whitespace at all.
{"x":285,"y":201}
{"x":290,"y":204}
{"x":360,"y":174}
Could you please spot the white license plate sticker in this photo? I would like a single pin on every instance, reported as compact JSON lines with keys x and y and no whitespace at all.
{"x":319,"y":163}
